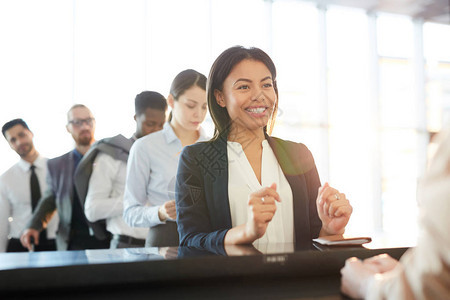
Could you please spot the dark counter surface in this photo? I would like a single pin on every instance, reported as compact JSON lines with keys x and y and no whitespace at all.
{"x":239,"y":272}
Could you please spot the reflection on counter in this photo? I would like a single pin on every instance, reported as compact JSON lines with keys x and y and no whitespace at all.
{"x":24,"y":260}
{"x":180,"y":272}
{"x":9,"y":261}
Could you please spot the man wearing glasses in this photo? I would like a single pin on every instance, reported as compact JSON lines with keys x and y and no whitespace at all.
{"x":74,"y":232}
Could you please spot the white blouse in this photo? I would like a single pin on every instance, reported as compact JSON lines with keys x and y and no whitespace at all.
{"x":242,"y":181}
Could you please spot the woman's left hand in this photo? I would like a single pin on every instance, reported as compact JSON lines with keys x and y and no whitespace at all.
{"x":334,"y":210}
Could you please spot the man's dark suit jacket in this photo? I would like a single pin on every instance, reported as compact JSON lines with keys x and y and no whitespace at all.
{"x":118,"y":147}
{"x":57,"y":197}
{"x":203,"y":209}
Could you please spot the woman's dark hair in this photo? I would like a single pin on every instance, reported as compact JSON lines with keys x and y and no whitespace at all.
{"x":220,"y":70}
{"x":184,"y":81}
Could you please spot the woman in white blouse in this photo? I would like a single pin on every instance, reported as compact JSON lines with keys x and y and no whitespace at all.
{"x":149,"y":199}
{"x":244,"y":186}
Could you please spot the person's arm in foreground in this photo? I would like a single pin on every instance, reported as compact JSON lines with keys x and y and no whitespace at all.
{"x":423,"y":272}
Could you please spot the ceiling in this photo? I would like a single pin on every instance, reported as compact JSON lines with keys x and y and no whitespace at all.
{"x":429,"y":10}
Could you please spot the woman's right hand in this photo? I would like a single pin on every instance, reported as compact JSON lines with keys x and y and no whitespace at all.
{"x":167,"y":211}
{"x":261,"y":208}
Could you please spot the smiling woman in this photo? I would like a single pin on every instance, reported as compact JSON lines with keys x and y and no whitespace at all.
{"x":243,"y":186}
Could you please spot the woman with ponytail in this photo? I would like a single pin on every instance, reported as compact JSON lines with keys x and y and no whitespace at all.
{"x":149,"y":199}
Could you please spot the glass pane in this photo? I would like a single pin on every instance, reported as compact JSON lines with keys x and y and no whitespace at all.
{"x":297,"y":58}
{"x":36,"y":72}
{"x":178,"y":38}
{"x":350,"y":135}
{"x":399,"y":121}
{"x":109,"y":52}
{"x":436,"y":42}
{"x":438,"y":95}
{"x":397,"y":93}
{"x":237,"y":22}
{"x":399,"y":148}
{"x":395,"y":36}
{"x":437,"y":56}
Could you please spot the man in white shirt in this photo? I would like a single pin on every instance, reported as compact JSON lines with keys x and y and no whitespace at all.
{"x":20,"y":190}
{"x":104,"y":199}
{"x":61,"y":198}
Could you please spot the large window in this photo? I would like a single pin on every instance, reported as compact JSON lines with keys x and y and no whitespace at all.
{"x":437,"y":54}
{"x":362,"y":91}
{"x":296,"y":55}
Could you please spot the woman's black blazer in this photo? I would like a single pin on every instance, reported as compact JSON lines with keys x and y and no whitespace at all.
{"x":203,"y":209}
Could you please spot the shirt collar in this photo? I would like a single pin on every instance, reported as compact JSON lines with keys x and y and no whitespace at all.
{"x":203,"y":136}
{"x":77,"y":154}
{"x":25,"y":166}
{"x":237,"y":145}
{"x":170,"y":135}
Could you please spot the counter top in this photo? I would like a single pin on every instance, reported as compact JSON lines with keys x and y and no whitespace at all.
{"x":238,"y":272}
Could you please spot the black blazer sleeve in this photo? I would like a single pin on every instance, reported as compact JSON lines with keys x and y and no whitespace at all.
{"x":193,"y":217}
{"x":313,"y":184}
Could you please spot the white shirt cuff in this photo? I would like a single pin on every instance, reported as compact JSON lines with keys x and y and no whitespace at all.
{"x":154,"y":216}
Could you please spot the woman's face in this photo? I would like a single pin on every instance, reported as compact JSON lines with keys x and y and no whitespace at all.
{"x":190,"y":109}
{"x":248,"y":94}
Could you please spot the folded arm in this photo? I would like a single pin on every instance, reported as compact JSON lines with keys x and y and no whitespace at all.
{"x":101,"y":200}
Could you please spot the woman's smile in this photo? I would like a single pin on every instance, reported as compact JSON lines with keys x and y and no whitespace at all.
{"x":257,"y":111}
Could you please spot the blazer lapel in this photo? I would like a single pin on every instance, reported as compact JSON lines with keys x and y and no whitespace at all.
{"x":69,"y":177}
{"x":299,"y":189}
